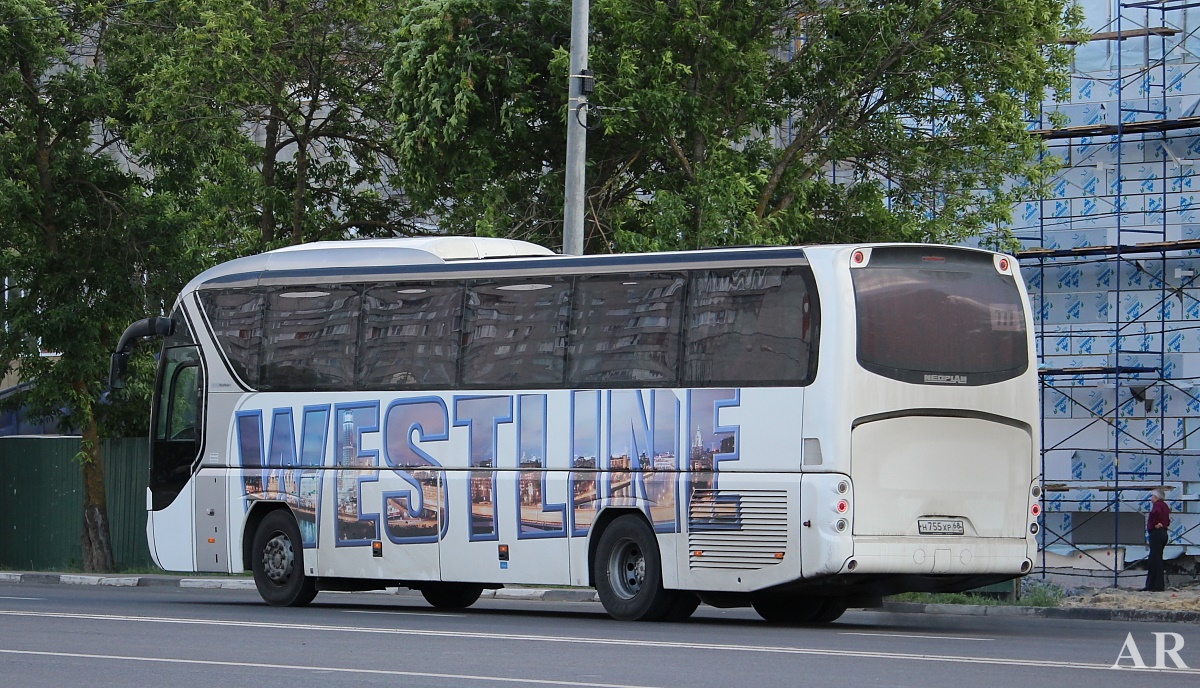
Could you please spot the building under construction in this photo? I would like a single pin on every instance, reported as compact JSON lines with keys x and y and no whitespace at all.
{"x":1112,"y":260}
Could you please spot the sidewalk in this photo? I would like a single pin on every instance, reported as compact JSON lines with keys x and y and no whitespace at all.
{"x":588,"y":595}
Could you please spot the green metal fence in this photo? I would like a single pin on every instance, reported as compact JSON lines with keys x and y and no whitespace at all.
{"x":41,"y":502}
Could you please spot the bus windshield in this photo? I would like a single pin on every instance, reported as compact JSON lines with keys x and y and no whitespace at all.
{"x":933,"y":316}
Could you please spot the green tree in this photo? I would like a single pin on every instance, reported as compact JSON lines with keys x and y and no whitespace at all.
{"x":269,"y":113}
{"x":84,"y":248}
{"x":779,"y":121}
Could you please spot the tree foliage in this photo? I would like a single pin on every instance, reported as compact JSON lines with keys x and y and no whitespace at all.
{"x":268,"y":112}
{"x":778,"y":121}
{"x":84,"y":249}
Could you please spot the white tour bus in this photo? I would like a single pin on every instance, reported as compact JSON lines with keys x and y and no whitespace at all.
{"x":797,"y":429}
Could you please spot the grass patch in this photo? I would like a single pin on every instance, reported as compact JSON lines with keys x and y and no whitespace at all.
{"x":1033,"y":594}
{"x":946,"y":598}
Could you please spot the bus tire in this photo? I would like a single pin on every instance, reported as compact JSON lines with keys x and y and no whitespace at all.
{"x":787,"y":609}
{"x":831,"y":610}
{"x":451,"y":595}
{"x":277,"y":559}
{"x":628,"y":572}
{"x":684,"y":606}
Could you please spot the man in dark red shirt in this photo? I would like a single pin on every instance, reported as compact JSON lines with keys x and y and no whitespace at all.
{"x":1156,"y":533}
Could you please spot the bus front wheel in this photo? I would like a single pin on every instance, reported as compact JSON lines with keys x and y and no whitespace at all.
{"x":628,"y":572}
{"x":278,"y":562}
{"x":451,"y":595}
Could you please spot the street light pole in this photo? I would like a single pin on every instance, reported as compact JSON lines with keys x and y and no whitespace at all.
{"x":576,"y":131}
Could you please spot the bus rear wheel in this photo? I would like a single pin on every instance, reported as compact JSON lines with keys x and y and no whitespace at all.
{"x":628,"y":573}
{"x":788,"y":609}
{"x":278,"y":562}
{"x":831,"y":610}
{"x":684,"y":606}
{"x":451,"y":595}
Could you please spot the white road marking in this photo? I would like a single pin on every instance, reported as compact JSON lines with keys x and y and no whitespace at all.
{"x":390,"y":613}
{"x":639,"y":643}
{"x":23,"y":598}
{"x":906,"y":635}
{"x":340,"y":670}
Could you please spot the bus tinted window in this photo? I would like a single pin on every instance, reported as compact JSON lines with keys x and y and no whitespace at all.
{"x":939,"y":316}
{"x":515,"y":332}
{"x":310,"y":338}
{"x":236,"y":319}
{"x":626,"y":329}
{"x":749,"y":326}
{"x":410,"y":336}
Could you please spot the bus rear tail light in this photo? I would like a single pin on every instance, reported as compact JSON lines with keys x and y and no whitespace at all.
{"x":843,"y":506}
{"x":1035,"y":510}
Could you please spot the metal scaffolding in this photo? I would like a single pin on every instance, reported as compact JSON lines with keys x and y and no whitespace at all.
{"x":1112,"y":262}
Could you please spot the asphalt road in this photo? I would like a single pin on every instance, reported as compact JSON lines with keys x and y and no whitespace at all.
{"x":61,"y":635}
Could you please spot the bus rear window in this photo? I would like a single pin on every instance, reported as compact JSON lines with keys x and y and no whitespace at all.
{"x":939,"y":316}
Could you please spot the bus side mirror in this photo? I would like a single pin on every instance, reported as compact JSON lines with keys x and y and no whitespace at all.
{"x":117,"y":365}
{"x":119,"y":361}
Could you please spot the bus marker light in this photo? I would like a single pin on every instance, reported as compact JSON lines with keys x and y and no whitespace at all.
{"x":212,"y":541}
{"x":842,"y":506}
{"x":502,"y":552}
{"x":377,"y":548}
{"x":697,"y":553}
{"x":933,"y":259}
{"x":1003,"y":263}
{"x":779,"y":555}
{"x":859,"y":257}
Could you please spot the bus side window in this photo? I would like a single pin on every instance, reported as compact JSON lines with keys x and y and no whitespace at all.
{"x":625,"y":329}
{"x":411,"y":335}
{"x":516,"y":332}
{"x":236,"y":316}
{"x":309,"y":338}
{"x":749,"y":326}
{"x":181,"y":406}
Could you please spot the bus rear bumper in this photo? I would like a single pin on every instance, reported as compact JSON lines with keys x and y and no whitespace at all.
{"x":940,"y":556}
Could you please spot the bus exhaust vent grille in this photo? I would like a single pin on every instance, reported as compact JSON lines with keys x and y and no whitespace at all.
{"x":737,"y":530}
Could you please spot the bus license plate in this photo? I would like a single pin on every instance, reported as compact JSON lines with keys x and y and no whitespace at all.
{"x":939,"y":527}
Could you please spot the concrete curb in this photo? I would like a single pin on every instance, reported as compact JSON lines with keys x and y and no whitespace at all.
{"x":1073,"y":613}
{"x":582,"y":595}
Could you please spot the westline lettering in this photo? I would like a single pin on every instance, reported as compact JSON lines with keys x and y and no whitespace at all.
{"x":641,"y":434}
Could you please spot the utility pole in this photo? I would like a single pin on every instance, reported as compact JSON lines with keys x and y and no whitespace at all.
{"x":579,"y":85}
